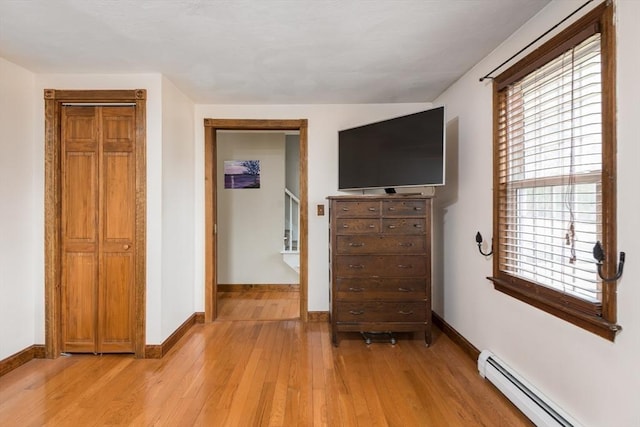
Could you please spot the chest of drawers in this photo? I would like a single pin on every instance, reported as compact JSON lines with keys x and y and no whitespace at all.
{"x":380,"y":264}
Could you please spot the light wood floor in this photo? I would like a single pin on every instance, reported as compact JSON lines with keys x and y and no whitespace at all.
{"x":254,"y":373}
{"x":254,"y":304}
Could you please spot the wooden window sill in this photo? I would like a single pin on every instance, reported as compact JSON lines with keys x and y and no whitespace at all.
{"x":591,"y":323}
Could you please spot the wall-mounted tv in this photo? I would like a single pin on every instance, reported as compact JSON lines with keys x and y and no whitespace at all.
{"x":407,"y":151}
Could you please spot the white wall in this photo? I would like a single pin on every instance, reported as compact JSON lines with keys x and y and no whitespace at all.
{"x":178,"y":159}
{"x":593,"y":379}
{"x":251,"y":221}
{"x":324,"y":121}
{"x":19,"y":243}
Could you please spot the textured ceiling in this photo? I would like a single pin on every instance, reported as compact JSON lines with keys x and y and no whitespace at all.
{"x":266,"y":51}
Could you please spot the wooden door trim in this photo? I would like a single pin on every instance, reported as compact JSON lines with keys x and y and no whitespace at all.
{"x":53,"y":100}
{"x":210,"y":128}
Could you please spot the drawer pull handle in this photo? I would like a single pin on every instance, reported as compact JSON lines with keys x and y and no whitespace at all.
{"x":404,"y":290}
{"x":417,"y":208}
{"x":405,"y":266}
{"x":356,"y":245}
{"x":372,"y":226}
{"x":405,"y":244}
{"x":345,"y":226}
{"x":417,"y":225}
{"x":393,"y":226}
{"x":372,"y":209}
{"x":358,"y":266}
{"x":406,"y":313}
{"x":345,"y":209}
{"x":392,"y":208}
{"x":356,"y":289}
{"x":356,"y":313}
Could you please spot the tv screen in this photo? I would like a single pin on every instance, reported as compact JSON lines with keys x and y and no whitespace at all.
{"x":405,"y":151}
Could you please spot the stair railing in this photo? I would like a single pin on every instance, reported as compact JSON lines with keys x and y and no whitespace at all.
{"x":292,"y":221}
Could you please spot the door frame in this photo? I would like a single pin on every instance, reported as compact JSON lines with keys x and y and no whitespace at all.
{"x":210,"y":204}
{"x":53,"y":101}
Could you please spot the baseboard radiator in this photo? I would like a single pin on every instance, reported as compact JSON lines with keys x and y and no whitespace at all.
{"x":536,"y":406}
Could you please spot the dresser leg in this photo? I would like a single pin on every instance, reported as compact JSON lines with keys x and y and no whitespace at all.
{"x":427,"y":338}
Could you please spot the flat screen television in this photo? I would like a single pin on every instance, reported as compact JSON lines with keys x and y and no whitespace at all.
{"x":407,"y":151}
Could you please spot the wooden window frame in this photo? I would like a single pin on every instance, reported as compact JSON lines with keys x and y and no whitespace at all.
{"x":599,"y":318}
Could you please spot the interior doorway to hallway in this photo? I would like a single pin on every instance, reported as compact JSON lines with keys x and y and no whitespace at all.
{"x":214,"y":294}
{"x":258,"y":210}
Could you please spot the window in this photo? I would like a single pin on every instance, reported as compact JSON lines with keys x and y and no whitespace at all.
{"x":554,"y":175}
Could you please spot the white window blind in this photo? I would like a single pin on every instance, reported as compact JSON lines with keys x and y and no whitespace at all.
{"x":550,"y":171}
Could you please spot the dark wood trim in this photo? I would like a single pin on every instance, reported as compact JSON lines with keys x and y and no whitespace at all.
{"x":319,"y":316}
{"x":53,"y":100}
{"x":157,"y":351}
{"x":257,"y":287}
{"x":210,"y":279}
{"x":609,"y":174}
{"x":199,"y":316}
{"x":544,"y":293}
{"x":18,"y":359}
{"x":210,"y":128}
{"x":304,"y":222}
{"x":117,"y":95}
{"x":153,"y":351}
{"x":455,"y":336}
{"x":591,"y":323}
{"x":253,"y":124}
{"x":141,"y":222}
{"x":52,"y":213}
{"x":573,"y":35}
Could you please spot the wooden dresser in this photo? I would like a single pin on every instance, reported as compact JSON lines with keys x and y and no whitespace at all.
{"x":380,"y":264}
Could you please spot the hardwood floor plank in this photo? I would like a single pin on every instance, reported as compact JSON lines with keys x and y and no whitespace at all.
{"x":257,"y":304}
{"x":260,"y":373}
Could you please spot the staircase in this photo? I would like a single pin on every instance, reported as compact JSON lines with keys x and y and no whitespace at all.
{"x":291,"y":251}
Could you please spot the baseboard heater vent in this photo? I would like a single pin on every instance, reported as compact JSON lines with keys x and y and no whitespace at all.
{"x":536,"y":406}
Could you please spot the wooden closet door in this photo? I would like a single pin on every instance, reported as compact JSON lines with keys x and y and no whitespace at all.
{"x":98,"y":229}
{"x":117,"y":231}
{"x":79,"y":228}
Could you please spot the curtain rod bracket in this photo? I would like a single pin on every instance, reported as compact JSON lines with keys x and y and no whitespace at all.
{"x":598,"y":254}
{"x":479,"y":242}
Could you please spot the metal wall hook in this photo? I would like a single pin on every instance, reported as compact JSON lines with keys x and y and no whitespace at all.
{"x":598,"y":254}
{"x":479,"y":242}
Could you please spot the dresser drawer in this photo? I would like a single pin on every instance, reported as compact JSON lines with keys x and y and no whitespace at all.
{"x":363,"y":208}
{"x":403,"y":208}
{"x":357,"y":225}
{"x":403,"y":225}
{"x":367,"y":244}
{"x":380,"y":266}
{"x":353,"y":288}
{"x":381,"y":311}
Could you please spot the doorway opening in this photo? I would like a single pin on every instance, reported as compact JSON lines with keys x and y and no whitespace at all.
{"x":257,"y":225}
{"x":213,"y":288}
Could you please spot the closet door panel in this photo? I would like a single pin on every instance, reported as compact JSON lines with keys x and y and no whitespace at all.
{"x":116,"y":304}
{"x":79,"y":297}
{"x":79,"y":223}
{"x":117,"y":231}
